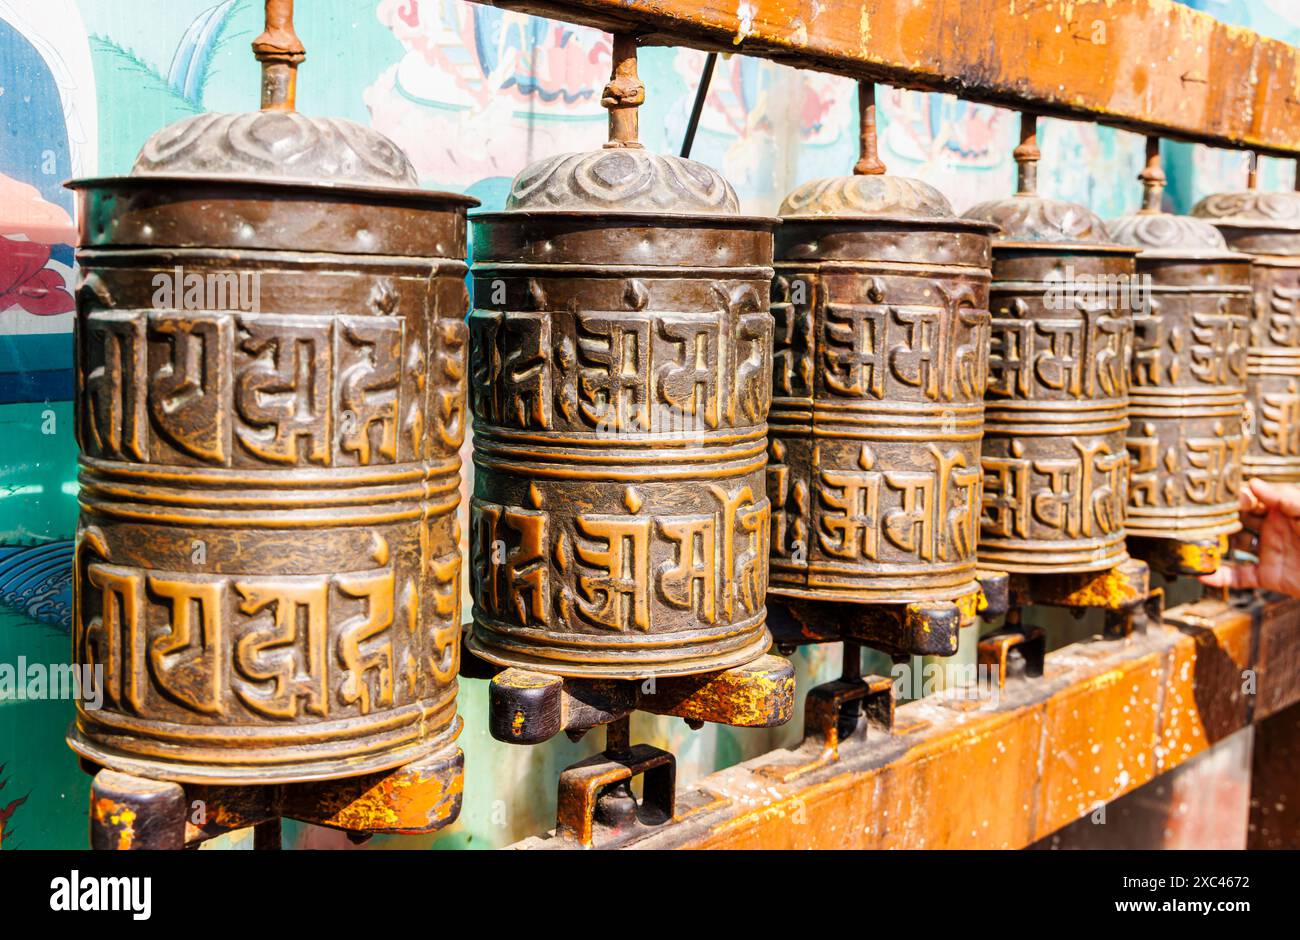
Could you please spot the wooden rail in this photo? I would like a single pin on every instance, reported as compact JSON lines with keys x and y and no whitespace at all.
{"x":1151,"y":66}
{"x":1105,"y":718}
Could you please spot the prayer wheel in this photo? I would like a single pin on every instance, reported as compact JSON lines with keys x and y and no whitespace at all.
{"x":1054,"y":454}
{"x":1266,"y":226}
{"x":271,"y":362}
{"x":882,"y":330}
{"x":1188,"y":377}
{"x":621,"y":360}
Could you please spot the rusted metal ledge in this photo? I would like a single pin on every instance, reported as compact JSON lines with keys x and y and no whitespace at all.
{"x":1151,"y":66}
{"x":1105,"y":718}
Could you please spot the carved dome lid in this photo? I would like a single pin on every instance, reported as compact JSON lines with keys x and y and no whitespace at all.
{"x":872,"y":195}
{"x":1163,"y":235}
{"x":622,"y":179}
{"x":1251,"y":209}
{"x":1031,"y":218}
{"x":276,"y":146}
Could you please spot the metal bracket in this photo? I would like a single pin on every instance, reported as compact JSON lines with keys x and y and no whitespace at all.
{"x":996,"y":649}
{"x":132,"y":813}
{"x":994,"y":594}
{"x":527,"y":707}
{"x":1123,"y":592}
{"x":917,"y":629}
{"x":832,"y":710}
{"x":596,"y":808}
{"x":931,"y":628}
{"x":1174,"y":558}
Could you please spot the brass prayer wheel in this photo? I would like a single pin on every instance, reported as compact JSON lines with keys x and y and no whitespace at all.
{"x":1188,"y":378}
{"x":271,"y":364}
{"x":1266,"y":226}
{"x":621,"y":354}
{"x":882,"y":327}
{"x":1054,"y":456}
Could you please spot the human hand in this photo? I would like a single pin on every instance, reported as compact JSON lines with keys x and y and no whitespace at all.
{"x":1270,"y":518}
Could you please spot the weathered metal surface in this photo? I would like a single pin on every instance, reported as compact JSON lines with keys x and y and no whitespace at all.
{"x":1104,"y":718}
{"x":1267,"y":226}
{"x":131,"y":814}
{"x":597,"y":810}
{"x":1174,"y":558}
{"x":527,"y":707}
{"x":1202,"y":804}
{"x":1187,"y":391}
{"x":1054,"y":456}
{"x":1012,"y":651}
{"x":835,"y":710}
{"x":932,"y":628}
{"x":271,"y":383}
{"x":620,"y":388}
{"x":1151,"y":66}
{"x":1123,"y":593}
{"x":880,"y":361}
{"x":421,"y":796}
{"x":918,"y":628}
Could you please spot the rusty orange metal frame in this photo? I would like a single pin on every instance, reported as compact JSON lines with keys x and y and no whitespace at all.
{"x":1105,"y":717}
{"x":1150,"y":66}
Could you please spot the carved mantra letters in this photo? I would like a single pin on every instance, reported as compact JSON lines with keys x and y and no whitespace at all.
{"x":1055,"y":461}
{"x":1186,"y":439}
{"x":1274,"y":370}
{"x":244,"y":649}
{"x":1264,"y":225}
{"x":268,"y":571}
{"x":878,"y":380}
{"x":619,"y":525}
{"x":265,"y":390}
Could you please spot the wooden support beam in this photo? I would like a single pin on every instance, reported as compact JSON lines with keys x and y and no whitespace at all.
{"x":1274,"y":807}
{"x":1005,"y":771}
{"x":1151,"y":66}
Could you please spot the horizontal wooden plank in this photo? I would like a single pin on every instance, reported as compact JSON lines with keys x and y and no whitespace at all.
{"x":1151,"y":66}
{"x":1002,"y":772}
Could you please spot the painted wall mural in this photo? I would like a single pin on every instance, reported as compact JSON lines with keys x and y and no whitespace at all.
{"x":473,"y":93}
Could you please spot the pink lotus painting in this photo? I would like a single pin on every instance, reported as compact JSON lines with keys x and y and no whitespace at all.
{"x":29,"y":229}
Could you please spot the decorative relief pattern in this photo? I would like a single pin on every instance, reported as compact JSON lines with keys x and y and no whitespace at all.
{"x":1078,"y":496}
{"x":1032,"y":218}
{"x":203,"y":648}
{"x":624,"y":372}
{"x":266,"y":390}
{"x":619,"y":521}
{"x":1186,"y":438}
{"x":622,"y":178}
{"x":877,"y":413}
{"x":1054,"y":456}
{"x":269,"y":547}
{"x":1163,"y":231}
{"x":1056,"y":358}
{"x":275,"y":145}
{"x":1267,"y":225}
{"x":1273,"y":365}
{"x":629,"y":572}
{"x":1252,"y":207}
{"x":867,"y":195}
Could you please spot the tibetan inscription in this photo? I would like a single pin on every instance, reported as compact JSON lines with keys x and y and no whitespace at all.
{"x":879,"y":374}
{"x":1186,"y":437}
{"x":267,"y":573}
{"x":619,"y":522}
{"x":1055,"y":460}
